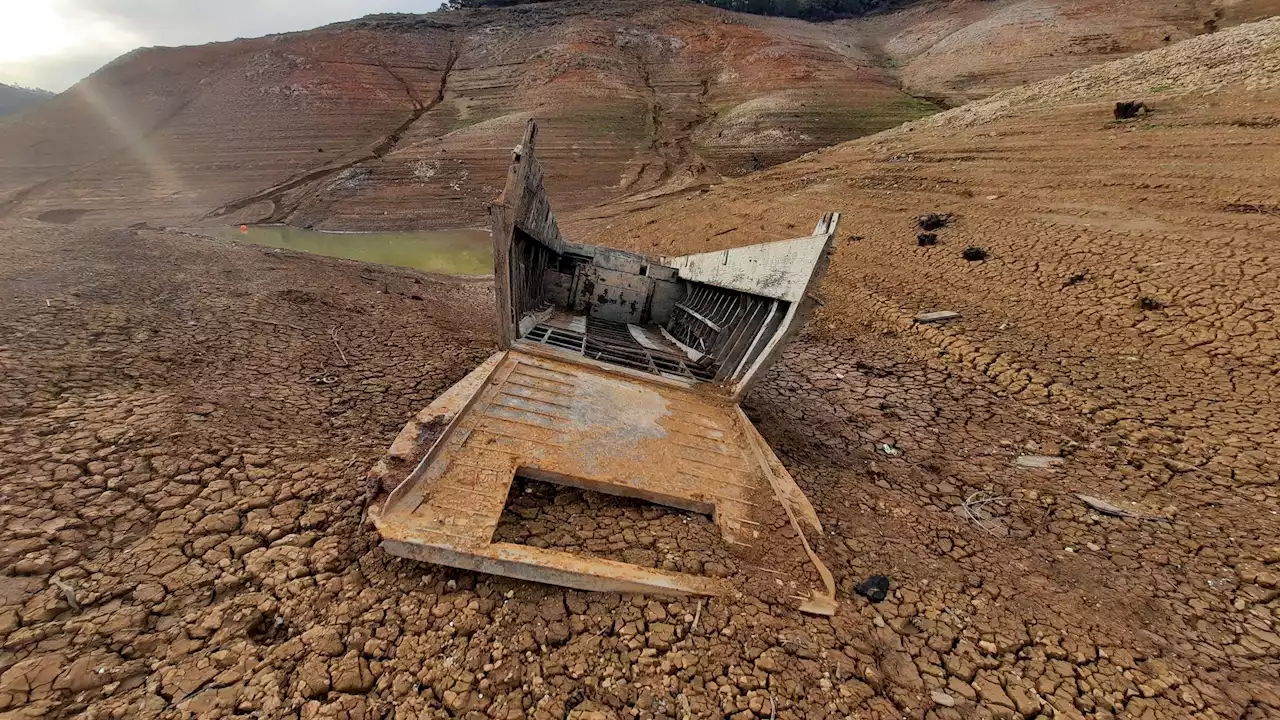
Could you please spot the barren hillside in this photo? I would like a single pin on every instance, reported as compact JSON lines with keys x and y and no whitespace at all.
{"x":15,"y":99}
{"x":403,"y":121}
{"x":963,"y":50}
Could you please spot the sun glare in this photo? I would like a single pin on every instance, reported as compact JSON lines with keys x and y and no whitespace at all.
{"x":31,"y":30}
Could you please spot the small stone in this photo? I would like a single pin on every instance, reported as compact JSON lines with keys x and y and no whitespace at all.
{"x":874,"y":588}
{"x":654,"y":612}
{"x":942,"y":698}
{"x":661,"y":635}
{"x":933,"y":221}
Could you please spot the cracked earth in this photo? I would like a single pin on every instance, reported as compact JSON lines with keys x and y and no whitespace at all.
{"x":186,"y":426}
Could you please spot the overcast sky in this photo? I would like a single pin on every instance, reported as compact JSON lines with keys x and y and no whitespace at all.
{"x":51,"y":44}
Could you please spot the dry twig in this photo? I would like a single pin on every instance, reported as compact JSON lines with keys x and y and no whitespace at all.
{"x":973,"y":506}
{"x":333,"y":333}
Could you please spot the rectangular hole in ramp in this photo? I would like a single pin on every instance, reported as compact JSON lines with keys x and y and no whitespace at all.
{"x":594,"y":524}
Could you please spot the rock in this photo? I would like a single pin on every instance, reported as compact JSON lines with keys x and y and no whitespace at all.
{"x":148,"y":593}
{"x":16,"y":590}
{"x":552,"y":607}
{"x":654,"y":612}
{"x":991,"y":692}
{"x":30,"y":679}
{"x":1129,"y":109}
{"x":942,"y":698}
{"x":927,"y":239}
{"x":933,"y":221}
{"x":1024,"y":699}
{"x":182,"y":680}
{"x":208,"y":702}
{"x":974,"y":254}
{"x":224,"y":522}
{"x":961,"y":688}
{"x":661,"y":635}
{"x":874,"y":588}
{"x":352,"y":675}
{"x":66,"y":473}
{"x":900,"y":670}
{"x":86,"y":673}
{"x":324,"y":639}
{"x":768,"y":662}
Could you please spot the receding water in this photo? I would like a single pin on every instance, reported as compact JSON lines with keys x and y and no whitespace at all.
{"x":454,"y":252}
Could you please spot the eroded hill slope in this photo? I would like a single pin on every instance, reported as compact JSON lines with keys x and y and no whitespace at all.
{"x":404,"y":121}
{"x":963,"y":50}
{"x":408,"y":118}
{"x":15,"y":98}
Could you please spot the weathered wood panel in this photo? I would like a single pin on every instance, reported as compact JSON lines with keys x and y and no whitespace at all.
{"x":779,"y":270}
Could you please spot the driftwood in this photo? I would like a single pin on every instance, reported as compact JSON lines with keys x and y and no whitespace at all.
{"x":333,"y":333}
{"x":1107,"y":508}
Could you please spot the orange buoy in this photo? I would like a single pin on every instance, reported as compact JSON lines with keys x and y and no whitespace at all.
{"x":244,"y":229}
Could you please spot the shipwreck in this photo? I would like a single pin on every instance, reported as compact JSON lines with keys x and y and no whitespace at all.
{"x":618,"y":373}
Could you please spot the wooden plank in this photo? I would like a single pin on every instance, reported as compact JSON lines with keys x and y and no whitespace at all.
{"x":502,"y":215}
{"x":779,"y":270}
{"x":797,"y":314}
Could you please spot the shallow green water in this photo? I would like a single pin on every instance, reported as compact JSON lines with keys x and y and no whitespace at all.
{"x":455,"y":252}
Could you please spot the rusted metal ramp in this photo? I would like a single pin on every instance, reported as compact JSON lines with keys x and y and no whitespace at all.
{"x":620,"y":374}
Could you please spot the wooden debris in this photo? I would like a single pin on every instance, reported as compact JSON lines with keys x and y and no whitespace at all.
{"x":1107,"y":508}
{"x":1039,"y":462}
{"x":937,"y":316}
